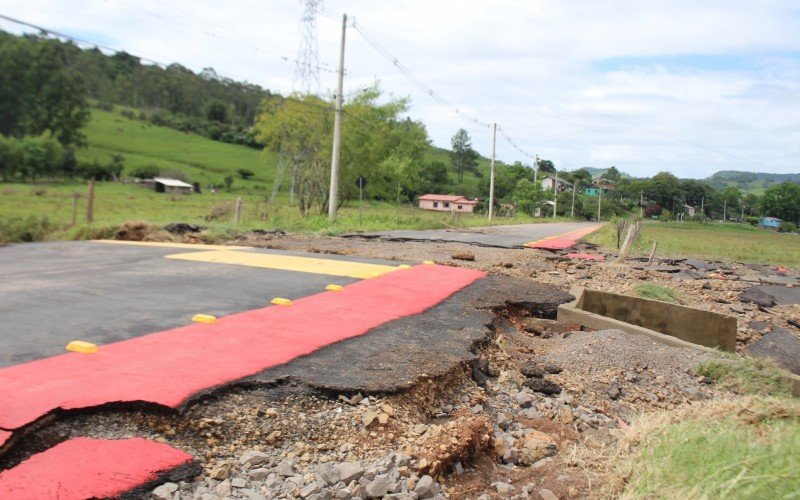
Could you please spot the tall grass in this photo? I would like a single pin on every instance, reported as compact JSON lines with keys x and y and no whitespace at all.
{"x":746,"y":375}
{"x":740,"y":448}
{"x":713,"y":241}
{"x":656,"y":292}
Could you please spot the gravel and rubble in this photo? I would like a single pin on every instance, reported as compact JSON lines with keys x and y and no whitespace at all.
{"x":503,"y":423}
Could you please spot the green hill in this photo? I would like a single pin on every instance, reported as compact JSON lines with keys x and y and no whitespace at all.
{"x":749,"y":182}
{"x":187,"y":155}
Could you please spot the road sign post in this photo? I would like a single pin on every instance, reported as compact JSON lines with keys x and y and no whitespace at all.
{"x":361,"y":182}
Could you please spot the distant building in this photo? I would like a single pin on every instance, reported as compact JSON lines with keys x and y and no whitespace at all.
{"x":164,"y":185}
{"x":447,"y":203}
{"x":689,"y":210}
{"x":770,"y":222}
{"x":548,"y":182}
{"x":591,"y":191}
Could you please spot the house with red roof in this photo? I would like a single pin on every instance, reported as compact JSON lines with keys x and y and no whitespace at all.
{"x":447,"y":203}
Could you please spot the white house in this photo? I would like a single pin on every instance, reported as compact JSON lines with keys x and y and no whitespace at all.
{"x":548,"y":182}
{"x":446,"y":203}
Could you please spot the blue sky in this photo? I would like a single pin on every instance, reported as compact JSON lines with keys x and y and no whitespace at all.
{"x":675,"y":85}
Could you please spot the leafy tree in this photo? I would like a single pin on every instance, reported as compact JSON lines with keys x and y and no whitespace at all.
{"x":527,"y":196}
{"x":612,"y":174}
{"x":216,"y":110}
{"x":10,"y":157}
{"x":547,"y":166}
{"x":41,"y":156}
{"x":373,"y":132}
{"x":665,"y":189}
{"x":228,"y":180}
{"x":39,"y":92}
{"x":751,"y":204}
{"x":463,"y":158}
{"x":433,"y":177}
{"x":782,"y":201}
{"x":300,"y":130}
{"x":582,"y":176}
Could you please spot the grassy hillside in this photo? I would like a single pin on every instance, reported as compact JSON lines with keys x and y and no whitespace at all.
{"x":200,"y":159}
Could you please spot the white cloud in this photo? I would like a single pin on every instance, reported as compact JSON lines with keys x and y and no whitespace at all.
{"x":690,"y":87}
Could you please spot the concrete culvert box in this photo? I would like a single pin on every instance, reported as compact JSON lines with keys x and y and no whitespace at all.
{"x":668,"y":323}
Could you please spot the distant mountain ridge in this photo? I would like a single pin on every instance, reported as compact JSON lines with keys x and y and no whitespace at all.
{"x":749,"y":182}
{"x":740,"y":175}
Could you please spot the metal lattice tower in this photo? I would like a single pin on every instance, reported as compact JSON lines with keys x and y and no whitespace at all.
{"x":306,"y":72}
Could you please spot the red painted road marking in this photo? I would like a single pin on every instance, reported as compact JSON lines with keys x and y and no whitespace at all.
{"x":562,"y":241}
{"x":90,"y":468}
{"x":585,"y":256}
{"x":169,"y":367}
{"x":4,"y":436}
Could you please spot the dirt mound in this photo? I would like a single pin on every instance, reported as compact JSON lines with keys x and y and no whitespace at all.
{"x":141,"y":231}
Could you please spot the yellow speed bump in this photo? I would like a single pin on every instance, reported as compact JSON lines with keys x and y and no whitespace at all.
{"x":428,"y":262}
{"x":82,"y":347}
{"x":204,"y":318}
{"x":404,"y":266}
{"x":334,"y":288}
{"x":278,"y":301}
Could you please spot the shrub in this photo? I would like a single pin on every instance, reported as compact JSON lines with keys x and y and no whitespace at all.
{"x":98,"y":171}
{"x":245,"y":173}
{"x":788,"y":227}
{"x":24,"y":229}
{"x":146,"y":172}
{"x":127,"y":113}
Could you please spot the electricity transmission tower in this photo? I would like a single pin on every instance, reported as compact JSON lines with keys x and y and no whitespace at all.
{"x":306,"y":72}
{"x":306,"y":82}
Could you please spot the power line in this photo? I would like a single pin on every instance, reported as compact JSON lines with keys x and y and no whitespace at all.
{"x":419,"y":84}
{"x":211,"y":34}
{"x":77,"y":40}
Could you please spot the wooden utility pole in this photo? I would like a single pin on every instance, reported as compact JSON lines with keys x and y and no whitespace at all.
{"x":90,"y":202}
{"x":238,"y":210}
{"x":574,"y":188}
{"x":333,"y":198}
{"x":555,"y":194}
{"x":599,"y":203}
{"x":491,"y":172}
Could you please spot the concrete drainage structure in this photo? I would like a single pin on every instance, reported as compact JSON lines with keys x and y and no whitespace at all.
{"x":668,"y":323}
{"x":671,"y":324}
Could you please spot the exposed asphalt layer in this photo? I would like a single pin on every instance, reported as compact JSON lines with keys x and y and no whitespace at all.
{"x":396,"y":355}
{"x":511,"y":236}
{"x":54,"y":293}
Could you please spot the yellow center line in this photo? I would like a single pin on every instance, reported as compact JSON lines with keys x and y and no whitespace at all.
{"x":288,"y":263}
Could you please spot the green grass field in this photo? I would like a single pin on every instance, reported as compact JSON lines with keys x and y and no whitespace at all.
{"x":713,"y":241}
{"x":116,"y":203}
{"x":196,"y":159}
